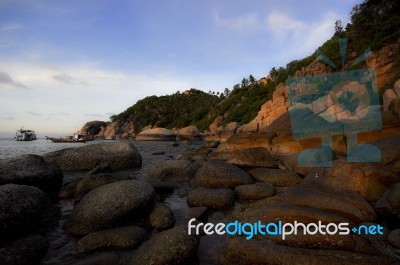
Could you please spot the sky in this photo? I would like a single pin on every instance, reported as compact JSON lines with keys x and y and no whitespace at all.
{"x":63,"y":63}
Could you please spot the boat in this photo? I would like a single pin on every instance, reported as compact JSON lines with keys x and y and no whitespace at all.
{"x":25,"y":135}
{"x":76,"y":138}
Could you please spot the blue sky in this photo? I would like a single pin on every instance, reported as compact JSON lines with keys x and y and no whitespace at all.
{"x":63,"y":63}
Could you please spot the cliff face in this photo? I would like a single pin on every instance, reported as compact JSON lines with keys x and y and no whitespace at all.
{"x":104,"y":130}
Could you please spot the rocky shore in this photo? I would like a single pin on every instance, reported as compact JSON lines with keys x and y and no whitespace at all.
{"x":117,"y":218}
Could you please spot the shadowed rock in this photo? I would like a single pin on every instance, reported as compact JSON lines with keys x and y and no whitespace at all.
{"x":211,"y":198}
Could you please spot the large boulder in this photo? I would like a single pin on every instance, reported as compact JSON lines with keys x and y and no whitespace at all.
{"x":189,"y":132}
{"x":23,"y":210}
{"x":350,"y":205}
{"x":92,"y":127}
{"x":278,"y":177}
{"x":171,"y":247}
{"x":394,"y":238}
{"x":92,"y":182}
{"x":173,"y":171}
{"x":105,"y":206}
{"x":27,"y":250}
{"x":120,"y":238}
{"x":254,"y":252}
{"x":119,"y":155}
{"x":253,"y":157}
{"x":161,"y":217}
{"x":218,"y":174}
{"x":31,"y":170}
{"x":389,"y":203}
{"x":255,"y":191}
{"x":211,"y":198}
{"x":245,"y":140}
{"x":157,"y":134}
{"x":370,"y":180}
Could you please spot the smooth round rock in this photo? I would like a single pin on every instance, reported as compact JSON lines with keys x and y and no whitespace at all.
{"x":120,"y":238}
{"x":27,"y":250}
{"x":211,"y":198}
{"x":278,"y":177}
{"x":255,"y":191}
{"x":161,"y":217}
{"x":394,"y":238}
{"x":101,"y":208}
{"x":170,"y":247}
{"x":218,"y":174}
{"x":31,"y":170}
{"x":173,"y":171}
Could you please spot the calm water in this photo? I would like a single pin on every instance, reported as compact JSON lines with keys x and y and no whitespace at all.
{"x":61,"y":250}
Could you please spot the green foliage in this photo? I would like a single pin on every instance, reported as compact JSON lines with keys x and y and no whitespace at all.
{"x":172,"y":111}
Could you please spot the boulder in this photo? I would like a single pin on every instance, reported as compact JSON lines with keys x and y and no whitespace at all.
{"x":394,"y":238}
{"x":245,"y":140}
{"x":389,"y":96}
{"x":252,"y":157}
{"x":120,"y":238}
{"x":198,"y":213}
{"x":23,"y":210}
{"x":389,"y":203}
{"x":31,"y":170}
{"x":349,"y":205}
{"x":212,"y":198}
{"x":157,"y":134}
{"x":278,"y":177}
{"x":369,"y":180}
{"x":218,"y":174}
{"x":254,"y":252}
{"x":255,"y":191}
{"x":27,"y":250}
{"x":170,"y":247}
{"x":161,"y":217}
{"x":92,"y":127}
{"x":119,"y":155}
{"x":92,"y":182}
{"x":390,"y":152}
{"x":101,"y":258}
{"x":103,"y":207}
{"x":189,"y":132}
{"x":172,"y":170}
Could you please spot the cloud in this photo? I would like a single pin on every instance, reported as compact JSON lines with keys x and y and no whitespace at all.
{"x":34,"y":113}
{"x":6,"y":79}
{"x":64,"y":114}
{"x":9,"y":118}
{"x":281,"y":24}
{"x":299,"y":36}
{"x":240,"y":23}
{"x":97,"y":115}
{"x":64,"y":78}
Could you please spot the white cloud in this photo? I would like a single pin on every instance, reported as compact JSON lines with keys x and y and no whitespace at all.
{"x":282,"y":25}
{"x":240,"y":23}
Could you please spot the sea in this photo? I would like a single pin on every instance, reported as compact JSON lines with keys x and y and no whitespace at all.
{"x":61,"y":249}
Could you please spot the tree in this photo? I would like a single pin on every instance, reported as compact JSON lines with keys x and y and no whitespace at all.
{"x":252,"y":80}
{"x":338,"y":26}
{"x":226,"y":92}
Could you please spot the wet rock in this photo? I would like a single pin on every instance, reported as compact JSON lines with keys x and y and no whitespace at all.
{"x":92,"y":182}
{"x":23,"y":210}
{"x":170,"y":247}
{"x":162,"y":187}
{"x":199,"y":213}
{"x":105,"y":206}
{"x":218,"y":174}
{"x":244,"y":140}
{"x":157,"y":134}
{"x":253,"y":252}
{"x":370,"y":180}
{"x":173,"y":170}
{"x":161,"y":217}
{"x":278,"y":177}
{"x":119,"y":155}
{"x":68,"y":189}
{"x":350,"y":205}
{"x":213,"y":144}
{"x":389,"y":203}
{"x":120,"y":238}
{"x":211,"y":198}
{"x":252,"y":157}
{"x":102,"y":168}
{"x":394,"y":238}
{"x":27,"y":250}
{"x":31,"y":170}
{"x":255,"y":191}
{"x":158,"y":153}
